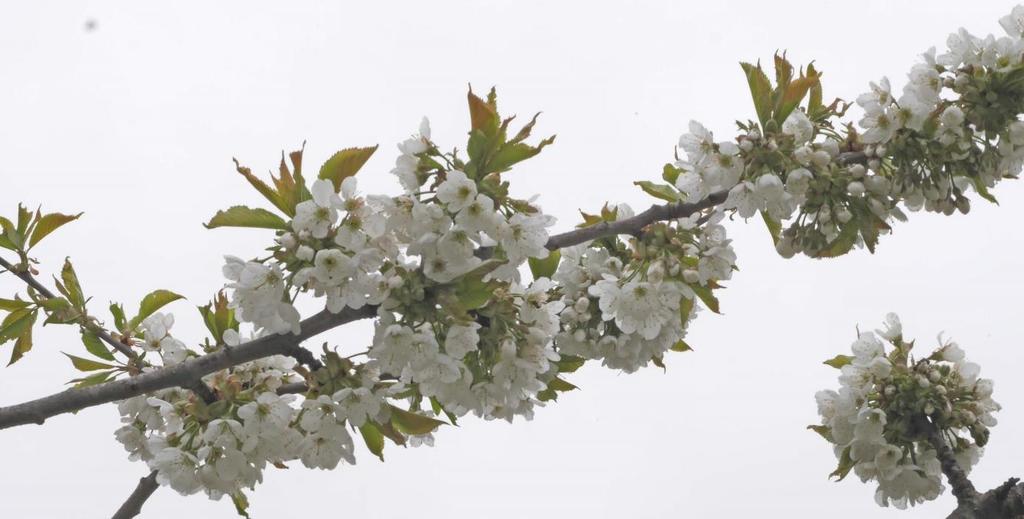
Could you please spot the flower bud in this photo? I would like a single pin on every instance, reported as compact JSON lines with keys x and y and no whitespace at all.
{"x":581,"y":304}
{"x":305,"y":253}
{"x":983,"y":388}
{"x":821,"y":158}
{"x":287,"y":240}
{"x":855,"y":189}
{"x":691,"y":276}
{"x":802,"y":155}
{"x":844,"y":215}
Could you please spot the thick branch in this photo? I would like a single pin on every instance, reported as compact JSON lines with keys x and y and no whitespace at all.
{"x":963,"y":489}
{"x":1003,"y":502}
{"x":133,"y":505}
{"x":180,"y":375}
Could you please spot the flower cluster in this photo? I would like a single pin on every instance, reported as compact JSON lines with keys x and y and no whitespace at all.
{"x":628,"y":305}
{"x":954,"y":128}
{"x":459,"y":331}
{"x":892,"y":414}
{"x":224,"y":446}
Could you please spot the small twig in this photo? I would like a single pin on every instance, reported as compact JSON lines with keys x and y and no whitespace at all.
{"x":133,"y":505}
{"x":294,"y":388}
{"x":304,"y":356}
{"x":31,"y":281}
{"x":198,"y":386}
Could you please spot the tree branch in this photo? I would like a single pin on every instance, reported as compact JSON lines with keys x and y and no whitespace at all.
{"x":31,"y":281}
{"x":963,"y":489}
{"x":657,"y":213}
{"x":133,"y":505}
{"x":635,"y":224}
{"x":191,"y":370}
{"x":180,"y":375}
{"x":1003,"y":502}
{"x":198,"y":387}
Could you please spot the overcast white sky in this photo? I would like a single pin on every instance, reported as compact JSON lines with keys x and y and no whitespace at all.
{"x":135,"y":124}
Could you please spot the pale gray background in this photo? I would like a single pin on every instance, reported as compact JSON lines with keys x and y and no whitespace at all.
{"x":135,"y":123}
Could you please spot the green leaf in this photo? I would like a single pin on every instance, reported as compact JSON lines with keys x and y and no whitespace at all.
{"x":72,"y":289}
{"x":390,"y":433}
{"x":9,"y":305}
{"x":774,"y":226}
{"x":55,"y":304}
{"x":268,"y":192}
{"x":869,"y":230}
{"x":560,"y":385}
{"x":982,"y":190}
{"x":659,"y":361}
{"x":374,"y":439}
{"x":824,"y":431}
{"x":483,"y":115}
{"x":21,"y":346}
{"x":670,"y":173}
{"x":705,"y":295}
{"x":218,"y":317}
{"x":94,"y":345}
{"x":473,"y":292}
{"x":409,"y":422}
{"x":24,"y":219}
{"x":838,"y":361}
{"x":845,"y":466}
{"x":241,"y":504}
{"x":681,"y":346}
{"x":438,"y":409}
{"x":556,"y":386}
{"x":242,"y":216}
{"x":82,"y":364}
{"x":513,"y":153}
{"x":153,"y":301}
{"x":546,"y":267}
{"x":10,"y":238}
{"x":344,"y":164}
{"x":117,"y":311}
{"x":92,"y":380}
{"x":547,"y":395}
{"x":660,"y":191}
{"x":291,"y":186}
{"x":783,"y":71}
{"x":16,"y":323}
{"x":570,"y":363}
{"x":844,"y":242}
{"x":685,"y":308}
{"x":815,"y":106}
{"x":760,"y":91}
{"x":47,"y":224}
{"x":794,"y":94}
